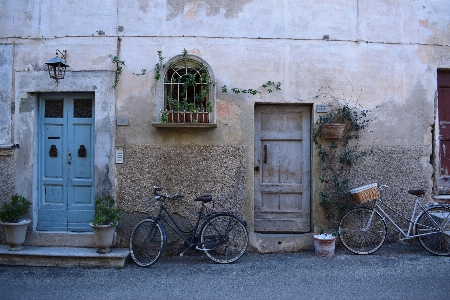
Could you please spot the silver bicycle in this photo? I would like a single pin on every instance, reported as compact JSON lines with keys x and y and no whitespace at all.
{"x":363,"y":229}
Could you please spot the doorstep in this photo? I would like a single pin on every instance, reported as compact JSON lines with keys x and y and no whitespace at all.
{"x":63,"y":257}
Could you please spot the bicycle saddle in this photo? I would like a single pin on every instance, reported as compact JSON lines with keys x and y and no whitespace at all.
{"x":204,"y":199}
{"x":417,"y":192}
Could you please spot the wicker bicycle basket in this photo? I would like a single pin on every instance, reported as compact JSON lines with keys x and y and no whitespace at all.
{"x":365,"y":193}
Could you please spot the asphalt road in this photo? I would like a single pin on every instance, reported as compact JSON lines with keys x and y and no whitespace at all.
{"x":394,"y":272}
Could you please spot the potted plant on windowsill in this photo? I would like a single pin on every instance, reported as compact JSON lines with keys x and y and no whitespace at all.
{"x":175,"y":112}
{"x":106,"y":218}
{"x":187,"y":90}
{"x":11,"y":219}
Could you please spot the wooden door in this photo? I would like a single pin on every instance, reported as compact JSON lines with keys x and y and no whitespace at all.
{"x":66,"y":162}
{"x":282,"y":168}
{"x":443,"y":78}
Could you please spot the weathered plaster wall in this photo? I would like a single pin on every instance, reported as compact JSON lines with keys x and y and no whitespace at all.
{"x":382,"y":55}
{"x":6,"y":67}
{"x":6,"y":162}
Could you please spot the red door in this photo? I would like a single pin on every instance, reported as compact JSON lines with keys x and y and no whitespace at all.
{"x":443,"y":78}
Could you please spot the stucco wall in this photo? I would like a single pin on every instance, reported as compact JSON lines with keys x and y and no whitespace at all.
{"x":379,"y":55}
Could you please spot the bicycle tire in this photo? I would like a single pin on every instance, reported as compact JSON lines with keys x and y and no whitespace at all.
{"x":224,"y":238}
{"x":437,"y":240}
{"x":147,"y":242}
{"x":358,"y":235}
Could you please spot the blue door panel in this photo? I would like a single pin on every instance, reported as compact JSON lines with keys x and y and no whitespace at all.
{"x":82,"y":158}
{"x":78,"y":220}
{"x":53,"y":146}
{"x":66,"y":156}
{"x":53,"y":195}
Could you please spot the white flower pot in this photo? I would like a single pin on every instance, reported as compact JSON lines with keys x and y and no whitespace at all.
{"x":324,"y":246}
{"x":15,"y":234}
{"x":103,"y":236}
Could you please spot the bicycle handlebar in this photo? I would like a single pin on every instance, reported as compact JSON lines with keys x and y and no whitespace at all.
{"x":158,"y":195}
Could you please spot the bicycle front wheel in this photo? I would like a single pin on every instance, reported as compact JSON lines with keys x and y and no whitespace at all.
{"x":147,"y":242}
{"x":224,"y":238}
{"x":362,"y":231}
{"x":433,"y":228}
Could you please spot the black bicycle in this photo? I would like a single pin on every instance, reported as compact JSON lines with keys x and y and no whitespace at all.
{"x":223,"y":237}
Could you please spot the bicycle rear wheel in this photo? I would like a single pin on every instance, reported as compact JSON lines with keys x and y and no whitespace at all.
{"x":147,"y":242}
{"x":434,"y":224}
{"x":362,"y":231}
{"x":224,"y":238}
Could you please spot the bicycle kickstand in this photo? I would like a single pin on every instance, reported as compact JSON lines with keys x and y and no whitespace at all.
{"x":182,"y":253}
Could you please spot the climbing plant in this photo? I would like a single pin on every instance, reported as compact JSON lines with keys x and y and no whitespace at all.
{"x":337,"y":157}
{"x":119,"y":65}
{"x":268,"y":86}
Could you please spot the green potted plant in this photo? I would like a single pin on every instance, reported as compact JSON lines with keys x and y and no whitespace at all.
{"x":106,"y":218}
{"x":332,"y":125}
{"x":175,"y":111}
{"x":188,"y":81}
{"x":11,"y":214}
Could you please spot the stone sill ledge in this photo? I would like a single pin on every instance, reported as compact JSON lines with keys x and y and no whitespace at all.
{"x":184,"y":125}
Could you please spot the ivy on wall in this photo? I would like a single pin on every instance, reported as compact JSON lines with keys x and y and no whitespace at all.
{"x":337,"y":157}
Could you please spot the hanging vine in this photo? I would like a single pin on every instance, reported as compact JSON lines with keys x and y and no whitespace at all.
{"x":119,"y":65}
{"x":337,"y":157}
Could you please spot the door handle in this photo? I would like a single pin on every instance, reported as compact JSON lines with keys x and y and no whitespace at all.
{"x":82,"y":151}
{"x":69,"y":158}
{"x":265,"y":154}
{"x":53,"y":151}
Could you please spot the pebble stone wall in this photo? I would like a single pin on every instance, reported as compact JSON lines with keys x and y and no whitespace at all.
{"x":192,"y":170}
{"x":6,"y":186}
{"x":402,"y":169}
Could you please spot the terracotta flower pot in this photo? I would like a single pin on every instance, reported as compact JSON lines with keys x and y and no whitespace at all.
{"x":175,"y":117}
{"x":324,"y":247}
{"x":332,"y":130}
{"x":198,"y":117}
{"x":15,"y":234}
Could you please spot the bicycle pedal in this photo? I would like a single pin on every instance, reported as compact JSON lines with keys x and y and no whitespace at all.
{"x":202,"y":249}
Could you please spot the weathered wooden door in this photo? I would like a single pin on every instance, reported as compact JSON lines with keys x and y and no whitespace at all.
{"x":443,"y":78}
{"x":282,"y":168}
{"x":66,"y":162}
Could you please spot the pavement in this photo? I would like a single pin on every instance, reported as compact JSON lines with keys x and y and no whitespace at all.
{"x":396,"y":271}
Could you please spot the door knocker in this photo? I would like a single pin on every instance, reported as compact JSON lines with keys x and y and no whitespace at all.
{"x":82,"y":151}
{"x":53,"y":151}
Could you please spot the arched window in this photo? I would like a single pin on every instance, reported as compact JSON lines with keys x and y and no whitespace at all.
{"x":189,"y":91}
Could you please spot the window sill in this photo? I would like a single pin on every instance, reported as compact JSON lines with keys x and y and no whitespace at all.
{"x":184,"y":125}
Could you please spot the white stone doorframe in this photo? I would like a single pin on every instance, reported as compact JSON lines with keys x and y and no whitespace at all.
{"x":28,"y":86}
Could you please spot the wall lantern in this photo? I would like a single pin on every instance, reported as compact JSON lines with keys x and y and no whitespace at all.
{"x":57,"y":66}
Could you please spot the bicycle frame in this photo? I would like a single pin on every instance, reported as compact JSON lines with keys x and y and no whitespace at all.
{"x":412,"y":221}
{"x":188,"y":236}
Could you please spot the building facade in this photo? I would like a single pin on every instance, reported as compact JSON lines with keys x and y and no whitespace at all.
{"x":263,"y":73}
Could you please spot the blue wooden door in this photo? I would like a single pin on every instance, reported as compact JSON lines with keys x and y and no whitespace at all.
{"x":66,"y":162}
